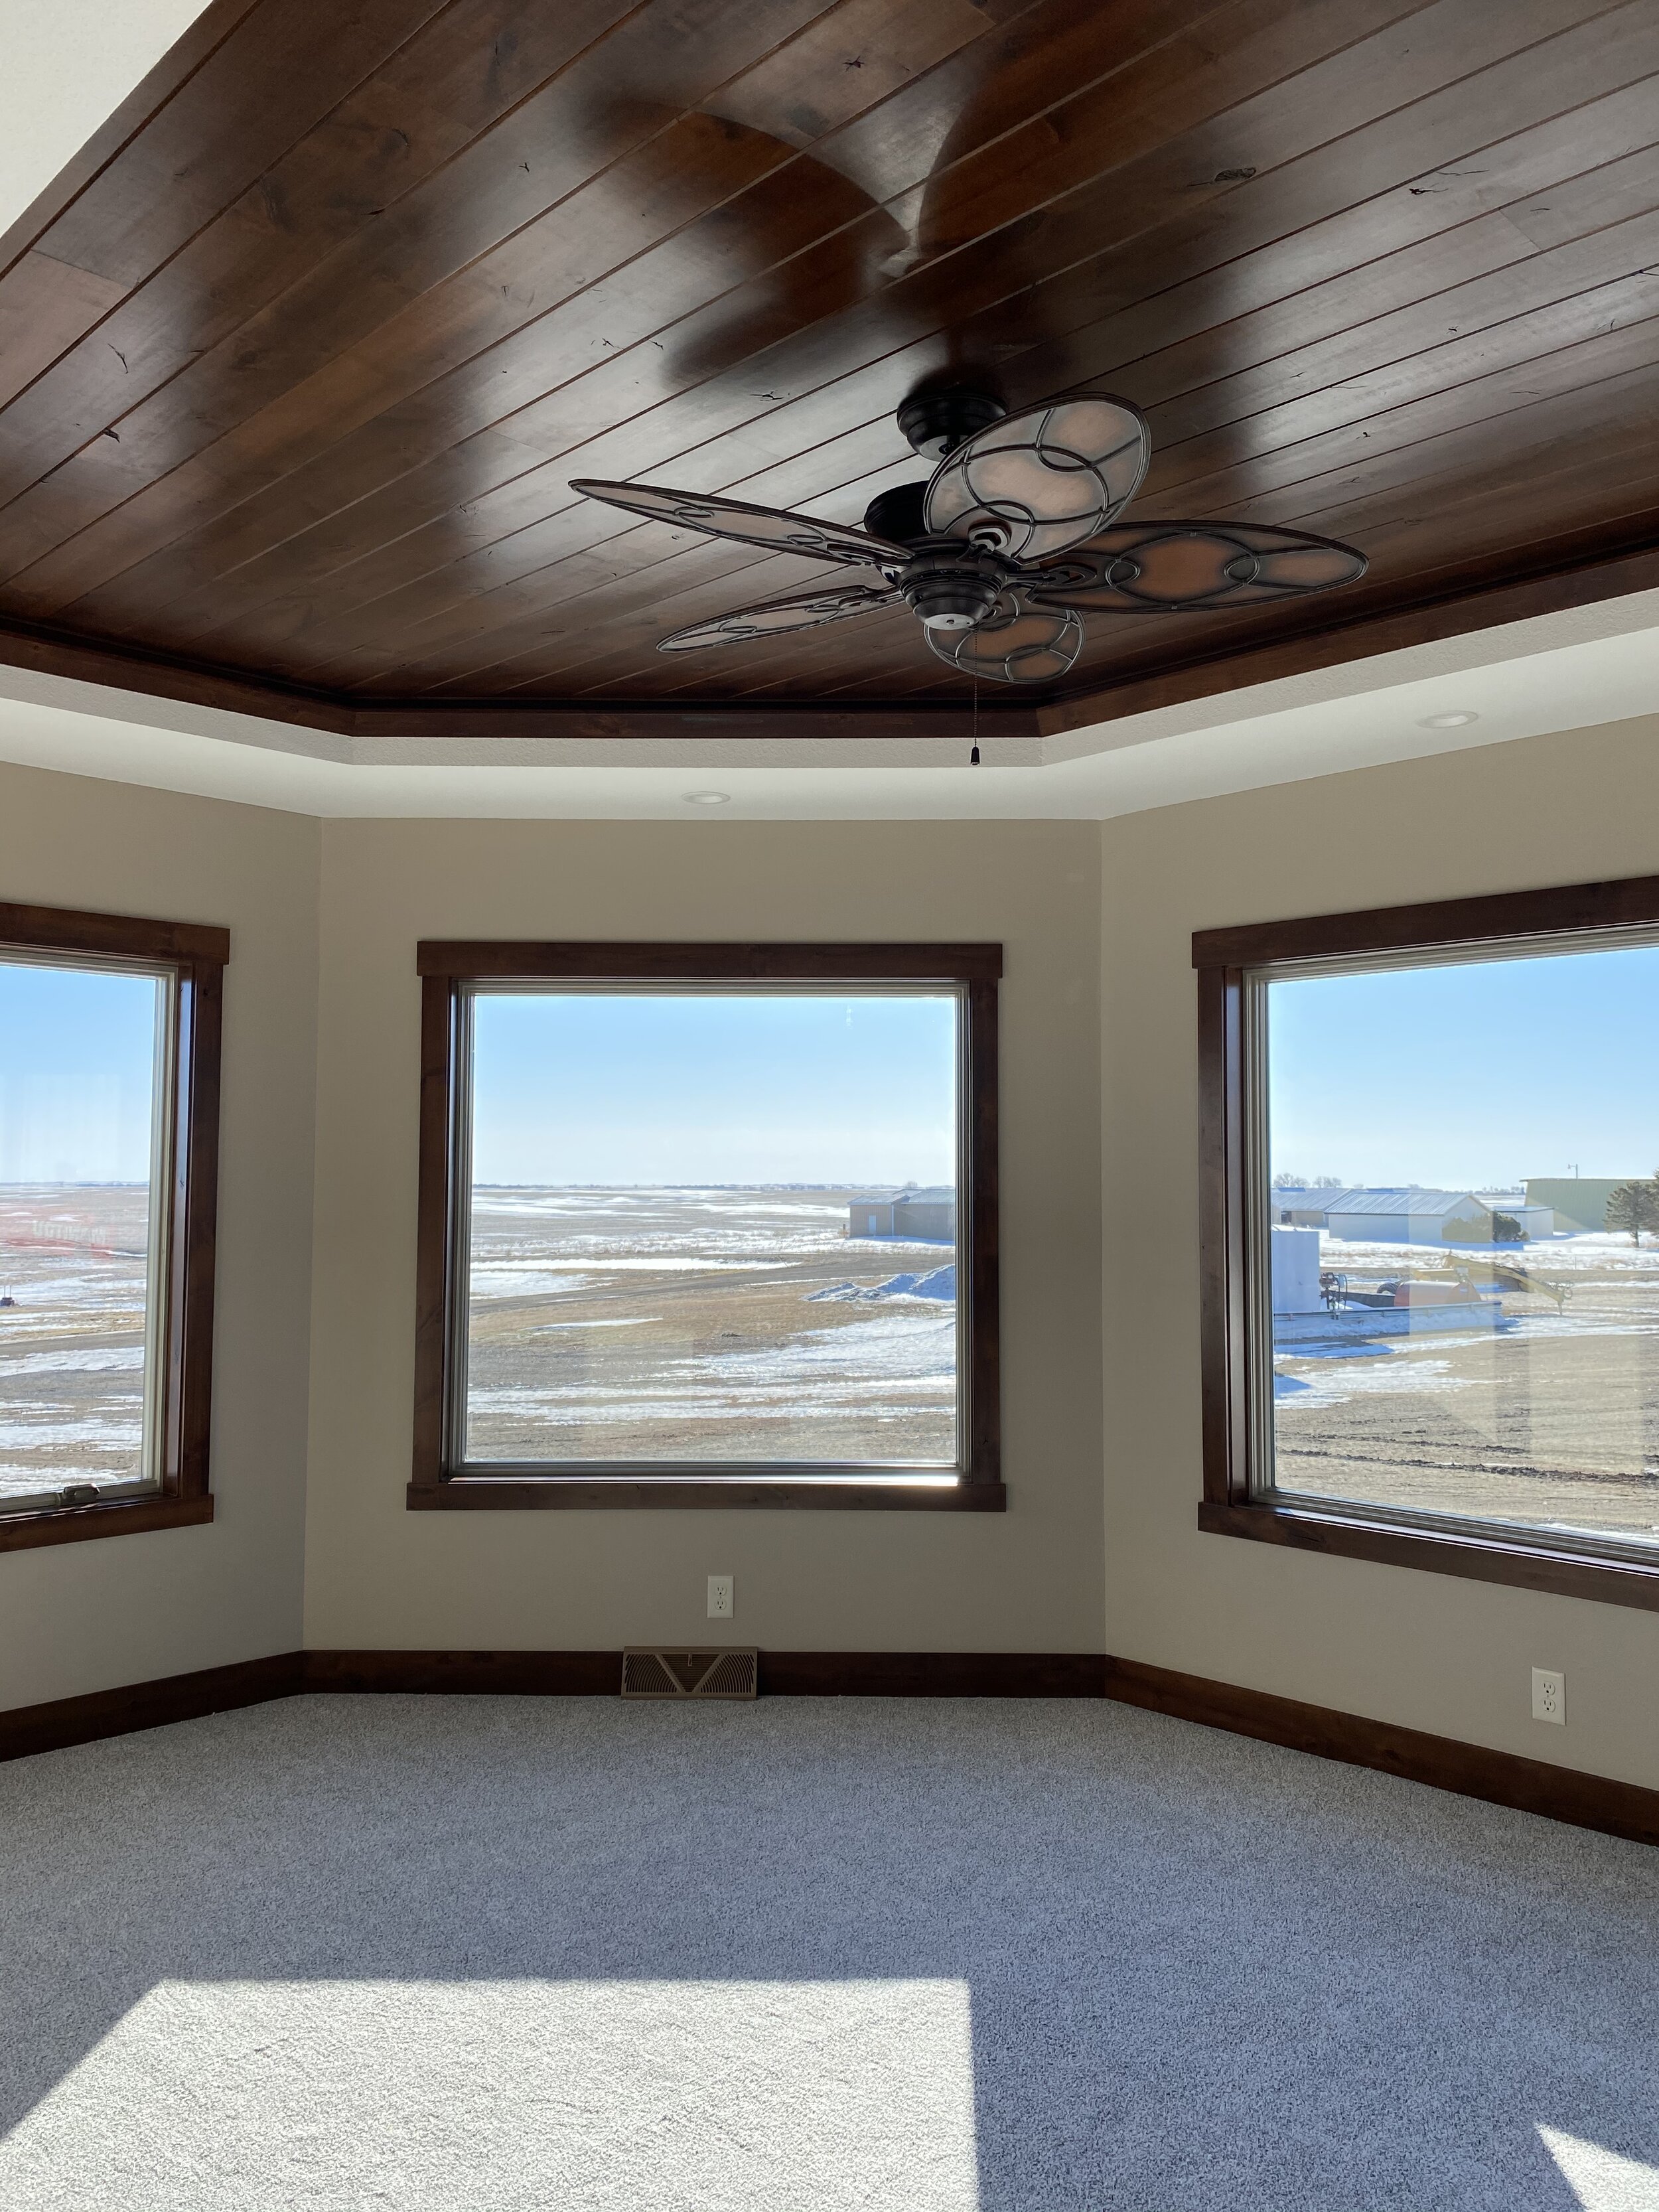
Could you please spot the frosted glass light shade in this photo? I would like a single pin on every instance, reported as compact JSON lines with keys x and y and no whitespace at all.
{"x":1041,"y":481}
{"x":1015,"y":644}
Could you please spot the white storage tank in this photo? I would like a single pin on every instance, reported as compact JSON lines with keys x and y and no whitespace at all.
{"x":1295,"y":1260}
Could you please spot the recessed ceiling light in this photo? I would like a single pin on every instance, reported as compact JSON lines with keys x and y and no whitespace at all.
{"x":707,"y":798}
{"x":1447,"y":722}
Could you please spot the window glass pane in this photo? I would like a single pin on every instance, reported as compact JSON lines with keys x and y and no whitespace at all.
{"x":80,"y":1052}
{"x":1464,"y":1234}
{"x":713,"y":1226}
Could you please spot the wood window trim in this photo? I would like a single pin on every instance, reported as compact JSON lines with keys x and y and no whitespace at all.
{"x":1224,"y":959}
{"x":445,"y":965}
{"x":197,"y":955}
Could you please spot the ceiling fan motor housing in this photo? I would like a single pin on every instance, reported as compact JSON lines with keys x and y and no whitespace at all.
{"x":897,"y":514}
{"x":950,"y":585}
{"x":936,"y":423}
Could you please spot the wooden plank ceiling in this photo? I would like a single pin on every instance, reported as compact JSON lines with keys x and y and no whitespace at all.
{"x":298,"y":357}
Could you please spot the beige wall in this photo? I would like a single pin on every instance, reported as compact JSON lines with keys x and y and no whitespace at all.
{"x":380,"y":1576}
{"x":1424,"y":1650}
{"x":1097,"y":1063}
{"x":90,"y":1616}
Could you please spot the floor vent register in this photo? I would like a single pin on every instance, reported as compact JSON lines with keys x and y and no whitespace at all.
{"x":710,"y":1673}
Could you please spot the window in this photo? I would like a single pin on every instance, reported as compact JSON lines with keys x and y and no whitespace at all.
{"x":108,"y":1150}
{"x":1431,"y":1237}
{"x":707,"y":1225}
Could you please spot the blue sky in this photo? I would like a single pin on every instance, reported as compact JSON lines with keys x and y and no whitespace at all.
{"x":77,"y":1060}
{"x":636,"y":1087}
{"x":1478,"y":1075}
{"x":1472,"y":1076}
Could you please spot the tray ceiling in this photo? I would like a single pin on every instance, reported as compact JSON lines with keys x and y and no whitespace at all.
{"x":298,"y":356}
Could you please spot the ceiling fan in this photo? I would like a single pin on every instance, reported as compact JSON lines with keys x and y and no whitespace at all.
{"x":1011,"y":541}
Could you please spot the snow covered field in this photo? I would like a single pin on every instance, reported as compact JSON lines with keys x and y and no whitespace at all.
{"x":744,"y":1326}
{"x":618,"y":1325}
{"x":719,"y":1325}
{"x":72,"y":1340}
{"x":1551,"y":1419}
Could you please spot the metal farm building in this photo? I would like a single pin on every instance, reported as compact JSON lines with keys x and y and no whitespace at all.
{"x":924,"y":1217}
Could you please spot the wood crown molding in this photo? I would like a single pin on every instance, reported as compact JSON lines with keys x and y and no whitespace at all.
{"x":1485,"y":604}
{"x":338,"y":714}
{"x":1498,"y":1777}
{"x":1190,"y":674}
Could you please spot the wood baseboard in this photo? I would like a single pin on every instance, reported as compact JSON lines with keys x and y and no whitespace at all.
{"x":931,"y":1673}
{"x":65,"y":1720}
{"x":1528,"y":1785}
{"x":505,"y":1673}
{"x":782,"y":1673}
{"x":1501,"y":1777}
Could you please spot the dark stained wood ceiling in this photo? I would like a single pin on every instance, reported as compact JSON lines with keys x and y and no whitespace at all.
{"x":299,"y":355}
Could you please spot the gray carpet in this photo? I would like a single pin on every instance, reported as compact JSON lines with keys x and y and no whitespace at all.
{"x":487,"y":1954}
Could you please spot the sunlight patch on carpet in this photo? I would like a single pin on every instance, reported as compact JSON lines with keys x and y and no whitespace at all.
{"x":506,"y":2095}
{"x":1601,"y":2179}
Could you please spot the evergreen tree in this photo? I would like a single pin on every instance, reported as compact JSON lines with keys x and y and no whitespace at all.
{"x":1635,"y":1206}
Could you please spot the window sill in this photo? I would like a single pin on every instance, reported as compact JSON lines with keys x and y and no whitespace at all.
{"x":1548,"y":1565}
{"x":543,"y":1492}
{"x":76,"y":1524}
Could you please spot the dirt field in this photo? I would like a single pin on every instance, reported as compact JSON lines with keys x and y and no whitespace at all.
{"x":1551,"y":1419}
{"x":72,"y":1344}
{"x":711,"y":1325}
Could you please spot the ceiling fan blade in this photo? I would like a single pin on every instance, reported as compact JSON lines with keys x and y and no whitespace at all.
{"x":800,"y":610}
{"x":1180,"y":567}
{"x":772,"y":526}
{"x":1015,"y":643}
{"x":1044,"y":480}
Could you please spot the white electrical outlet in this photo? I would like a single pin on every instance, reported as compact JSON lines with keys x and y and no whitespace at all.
{"x":1549,"y":1694}
{"x":720,"y":1607}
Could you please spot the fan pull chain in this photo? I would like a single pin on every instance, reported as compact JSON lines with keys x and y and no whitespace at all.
{"x":973,"y":758}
